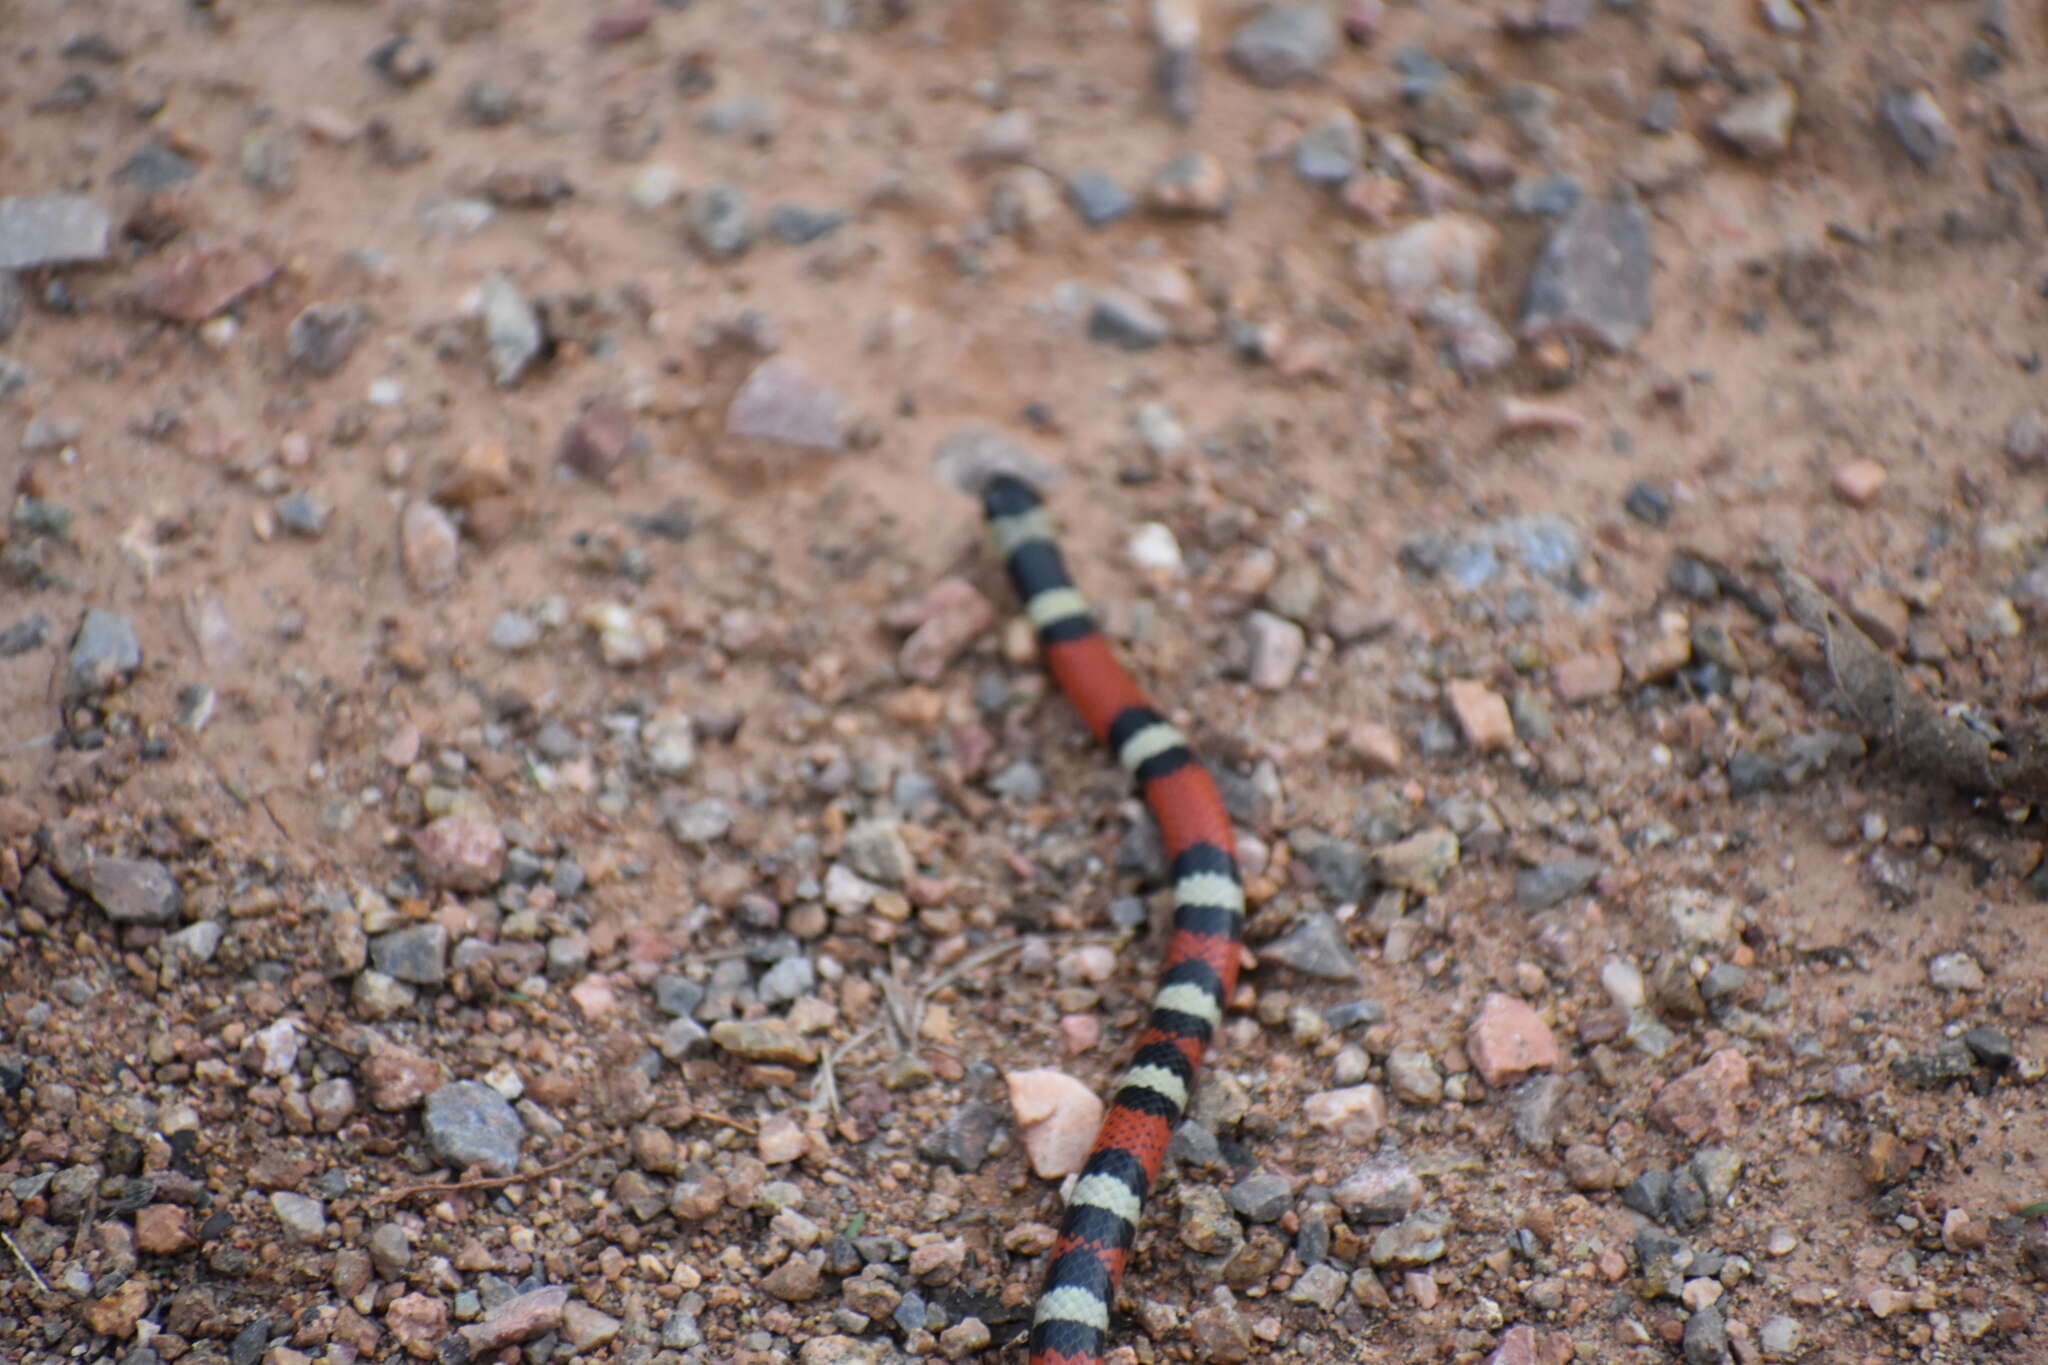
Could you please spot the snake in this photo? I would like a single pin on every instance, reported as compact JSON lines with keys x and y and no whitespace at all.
{"x":1071,"y":1322}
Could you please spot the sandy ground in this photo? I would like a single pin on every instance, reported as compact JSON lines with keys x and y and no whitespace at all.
{"x":371,"y":599}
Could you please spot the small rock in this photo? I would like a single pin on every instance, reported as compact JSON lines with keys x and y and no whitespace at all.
{"x":1482,"y":715}
{"x":1331,"y":151}
{"x":397,"y":1078}
{"x":763,"y":1040}
{"x":417,"y":953}
{"x":522,"y":1317}
{"x":1416,"y":1240}
{"x":722,"y":221}
{"x":115,"y":1315}
{"x":162,"y":1230}
{"x":1701,"y":1104}
{"x":1919,"y":125}
{"x":2026,"y":438}
{"x":1420,"y":862}
{"x":104,"y":654}
{"x":1590,"y":1168}
{"x":1413,"y":1076}
{"x":1380,"y":1191}
{"x":1376,"y":747}
{"x":38,"y":230}
{"x":469,"y":1124}
{"x":1193,"y":185}
{"x":1315,"y":947}
{"x":1284,"y":44}
{"x":1955,"y":972}
{"x":1592,"y":280}
{"x":780,"y":402}
{"x":1356,"y":1113}
{"x":1857,"y":482}
{"x":200,"y":285}
{"x":1097,"y":199}
{"x":1119,"y":318}
{"x":1509,"y":1039}
{"x":1759,"y":123}
{"x":1276,"y":647}
{"x":429,"y":545}
{"x":460,"y":853}
{"x":1058,"y":1116}
{"x":952,"y":616}
{"x":133,"y":890}
{"x":1539,"y":888}
{"x":1779,"y":1337}
{"x":597,"y":440}
{"x":304,"y":1219}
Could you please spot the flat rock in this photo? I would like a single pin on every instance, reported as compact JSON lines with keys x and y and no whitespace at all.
{"x":1701,"y":1104}
{"x":1057,"y":1116}
{"x":1592,"y":280}
{"x":104,"y":654}
{"x":1509,"y":1039}
{"x":469,"y":1124}
{"x":512,"y":330}
{"x":1284,"y":44}
{"x":780,"y":402}
{"x":133,"y":890}
{"x":520,"y":1318}
{"x":52,"y":229}
{"x":429,"y":546}
{"x":460,"y":853}
{"x":1760,"y":122}
{"x":196,"y":287}
{"x":1314,"y":947}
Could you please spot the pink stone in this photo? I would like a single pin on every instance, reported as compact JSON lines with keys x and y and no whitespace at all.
{"x":1482,"y":715}
{"x":460,"y":853}
{"x":1508,"y":1039}
{"x":518,"y":1319}
{"x":1701,"y":1103}
{"x":953,"y":614}
{"x":781,"y":1141}
{"x":1080,"y":1032}
{"x":397,"y":1078}
{"x":418,"y":1322}
{"x":1517,"y":1347}
{"x":1058,"y":1115}
{"x":1586,"y":677}
{"x":594,"y":996}
{"x":1857,"y":482}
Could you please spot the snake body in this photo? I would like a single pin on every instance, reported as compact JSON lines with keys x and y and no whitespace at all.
{"x":1071,"y":1323}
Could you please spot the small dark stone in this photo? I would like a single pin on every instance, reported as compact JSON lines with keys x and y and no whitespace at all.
{"x":1592,"y":280}
{"x":401,"y":60}
{"x":1648,"y":504}
{"x":302,"y":515}
{"x":1690,"y":578}
{"x":800,"y":226}
{"x":1315,"y":947}
{"x":1992,"y":1049}
{"x":1706,"y":1337}
{"x":156,"y":166}
{"x":1535,"y":1117}
{"x":962,"y":1141}
{"x":1539,"y":888}
{"x":721,"y":221}
{"x":1125,"y":321}
{"x":491,"y":103}
{"x":1685,"y":1203}
{"x":1647,"y":1192}
{"x":1749,"y":773}
{"x":323,"y":337}
{"x":249,"y":1344}
{"x":1953,"y":1061}
{"x":32,"y":632}
{"x":1344,"y":868}
{"x":1361,"y":1013}
{"x":1660,"y":115}
{"x":1261,"y":1196}
{"x":1097,"y":197}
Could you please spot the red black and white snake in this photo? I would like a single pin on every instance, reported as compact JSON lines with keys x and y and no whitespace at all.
{"x":1071,"y":1325}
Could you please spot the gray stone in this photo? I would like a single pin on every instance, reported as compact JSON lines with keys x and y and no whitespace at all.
{"x":133,"y":890}
{"x":787,"y":980}
{"x":1261,"y":1197}
{"x":875,"y":849}
{"x":1284,"y":44}
{"x":513,"y":632}
{"x":1416,"y":1240}
{"x":1022,"y":781}
{"x":1380,"y":1191}
{"x":469,"y":1124}
{"x":1315,"y":947}
{"x":1592,"y":279}
{"x":13,"y":303}
{"x":302,"y":514}
{"x":303,"y":1218}
{"x":1344,"y":868}
{"x":417,"y":953}
{"x":323,"y":337}
{"x":800,"y":226}
{"x":1920,"y":127}
{"x":721,"y":221}
{"x":1778,"y":1338}
{"x":780,"y":402}
{"x":1331,"y":152}
{"x":14,"y":376}
{"x":1535,"y":1104}
{"x":51,"y":229}
{"x":1097,"y":198}
{"x":1706,"y":1337}
{"x":512,"y":330}
{"x":197,"y":942}
{"x":1539,"y":888}
{"x":963,"y":1140}
{"x":104,"y":655}
{"x":156,"y":166}
{"x":1125,"y":321}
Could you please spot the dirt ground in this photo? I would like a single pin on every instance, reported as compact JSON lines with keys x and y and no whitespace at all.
{"x":527,"y":828}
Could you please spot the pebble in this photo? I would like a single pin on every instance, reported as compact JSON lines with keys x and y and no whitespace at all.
{"x":302,"y":515}
{"x":1858,"y":481}
{"x":1331,"y":151}
{"x":1356,"y":1113}
{"x":1592,"y":280}
{"x":1058,"y":1116}
{"x":163,"y":1230}
{"x":781,"y":402}
{"x":460,"y":853}
{"x":1420,"y":862}
{"x":429,"y":545}
{"x":523,"y":1317}
{"x":1778,"y":1337}
{"x":197,"y":942}
{"x":668,"y":741}
{"x":1097,"y":197}
{"x":1413,"y":1076}
{"x":2026,"y":438}
{"x":1376,"y":747}
{"x":1117,"y":317}
{"x":1192,"y":185}
{"x":1284,"y":44}
{"x":781,"y":1140}
{"x":1508,"y":1039}
{"x":951,"y":617}
{"x":763,"y":1040}
{"x":304,"y":1219}
{"x":1383,"y":1190}
{"x":1955,"y":972}
{"x":593,"y":444}
{"x":797,"y":225}
{"x":1276,"y":647}
{"x":721,"y":221}
{"x":38,"y":230}
{"x":133,"y":890}
{"x":104,"y":654}
{"x":1701,"y":1104}
{"x":1759,"y":123}
{"x":1448,"y":252}
{"x":512,"y":329}
{"x":1416,"y":1240}
{"x":322,"y":337}
{"x":469,"y":1124}
{"x":1261,"y":1197}
{"x":1919,"y":125}
{"x":1482,"y":715}
{"x":416,"y":954}
{"x":1023,"y":202}
{"x":1315,"y":947}
{"x":1539,"y":888}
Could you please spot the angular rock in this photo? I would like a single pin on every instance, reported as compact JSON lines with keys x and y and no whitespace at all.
{"x":1919,"y":125}
{"x":1701,"y":1104}
{"x":1315,"y":947}
{"x":1592,"y":280}
{"x":1760,"y":123}
{"x":133,"y":890}
{"x":429,"y":546}
{"x":38,"y":230}
{"x":512,"y":329}
{"x":323,"y":337}
{"x":1284,"y":44}
{"x":520,"y":1318}
{"x":204,"y":283}
{"x":1057,"y":1116}
{"x":780,"y":402}
{"x":469,"y":1124}
{"x":1509,"y":1039}
{"x":104,"y":654}
{"x":597,"y":440}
